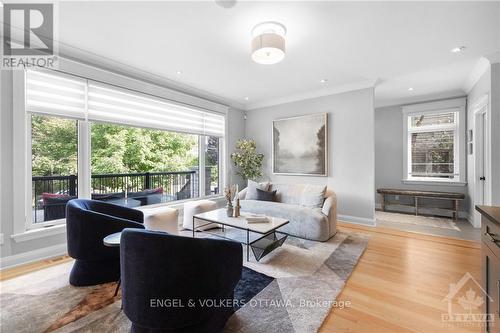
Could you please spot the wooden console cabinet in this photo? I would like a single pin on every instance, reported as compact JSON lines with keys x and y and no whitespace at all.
{"x":490,"y":264}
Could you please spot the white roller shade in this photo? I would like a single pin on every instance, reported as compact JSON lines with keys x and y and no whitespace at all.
{"x":65,"y":95}
{"x":55,"y":94}
{"x":115,"y":105}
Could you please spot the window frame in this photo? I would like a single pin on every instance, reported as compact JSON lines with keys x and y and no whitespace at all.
{"x":457,"y":106}
{"x":22,"y":194}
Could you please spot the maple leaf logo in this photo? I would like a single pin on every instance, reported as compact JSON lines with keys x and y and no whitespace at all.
{"x":470,"y":301}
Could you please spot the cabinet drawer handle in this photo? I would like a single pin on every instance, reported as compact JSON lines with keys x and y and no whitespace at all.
{"x":492,"y":238}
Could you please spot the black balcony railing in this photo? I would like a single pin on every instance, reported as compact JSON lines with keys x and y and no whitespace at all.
{"x":50,"y":193}
{"x":175,"y":184}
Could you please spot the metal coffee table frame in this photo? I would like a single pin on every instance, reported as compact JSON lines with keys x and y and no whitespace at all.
{"x":277,"y":241}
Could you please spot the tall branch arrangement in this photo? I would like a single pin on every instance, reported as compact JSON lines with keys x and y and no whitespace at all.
{"x":246,"y":158}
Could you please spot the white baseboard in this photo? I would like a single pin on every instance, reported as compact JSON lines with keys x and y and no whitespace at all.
{"x":32,"y":256}
{"x":471,"y":220}
{"x":357,"y":220}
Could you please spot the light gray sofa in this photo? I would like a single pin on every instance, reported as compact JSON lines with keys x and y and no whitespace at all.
{"x":311,"y":210}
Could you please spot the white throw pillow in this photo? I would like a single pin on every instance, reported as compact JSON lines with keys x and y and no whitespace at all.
{"x":252,"y":189}
{"x":313,"y":195}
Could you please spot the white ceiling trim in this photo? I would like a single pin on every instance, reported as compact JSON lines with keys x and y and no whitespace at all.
{"x":419,"y":99}
{"x":314,"y":94}
{"x":87,"y":58}
{"x":494,"y":58}
{"x":479,"y":69}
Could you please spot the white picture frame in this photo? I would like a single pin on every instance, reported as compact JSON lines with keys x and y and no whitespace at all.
{"x":293,"y":139}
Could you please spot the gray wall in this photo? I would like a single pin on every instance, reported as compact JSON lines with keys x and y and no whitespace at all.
{"x":488,"y":84}
{"x":389,"y":155}
{"x":480,"y":89}
{"x":236,"y":131}
{"x":45,"y":246}
{"x":350,"y":148}
{"x":495,"y":134}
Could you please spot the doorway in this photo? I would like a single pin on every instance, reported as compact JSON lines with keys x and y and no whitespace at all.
{"x":481,"y":153}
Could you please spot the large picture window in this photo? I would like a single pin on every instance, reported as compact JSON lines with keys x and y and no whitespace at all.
{"x":92,"y":140}
{"x":434,"y":144}
{"x":212,"y":161}
{"x":137,"y":166}
{"x":54,"y":166}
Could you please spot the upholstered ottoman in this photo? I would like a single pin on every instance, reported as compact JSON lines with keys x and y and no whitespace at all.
{"x":161,"y":218}
{"x":192,"y":208}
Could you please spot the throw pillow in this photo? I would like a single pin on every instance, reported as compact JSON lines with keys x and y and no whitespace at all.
{"x":265,"y":195}
{"x":313,"y":195}
{"x":252,"y":189}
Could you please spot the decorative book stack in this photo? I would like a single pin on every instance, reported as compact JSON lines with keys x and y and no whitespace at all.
{"x":254,"y":218}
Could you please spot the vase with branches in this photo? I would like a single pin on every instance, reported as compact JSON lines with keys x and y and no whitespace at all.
{"x":247,"y":159}
{"x":230,"y":192}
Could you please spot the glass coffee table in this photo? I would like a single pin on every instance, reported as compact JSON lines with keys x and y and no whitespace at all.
{"x":267,"y":240}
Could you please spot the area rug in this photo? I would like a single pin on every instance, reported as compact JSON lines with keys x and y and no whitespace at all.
{"x":427,"y":221}
{"x":291,"y":290}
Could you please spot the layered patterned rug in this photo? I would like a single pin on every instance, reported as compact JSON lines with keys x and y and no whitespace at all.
{"x":291,"y":290}
{"x":428,"y":221}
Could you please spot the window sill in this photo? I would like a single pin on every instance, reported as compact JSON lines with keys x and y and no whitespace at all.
{"x":61,"y":228}
{"x":39,"y":233}
{"x":433,"y":182}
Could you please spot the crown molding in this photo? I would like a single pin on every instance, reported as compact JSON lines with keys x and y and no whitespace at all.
{"x":87,"y":58}
{"x":338,"y":89}
{"x":494,"y":58}
{"x":482,"y":65}
{"x":419,"y":99}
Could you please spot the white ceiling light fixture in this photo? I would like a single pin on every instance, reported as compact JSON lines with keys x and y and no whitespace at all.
{"x":268,"y":43}
{"x":458,"y":49}
{"x":323,"y":80}
{"x":410,"y":89}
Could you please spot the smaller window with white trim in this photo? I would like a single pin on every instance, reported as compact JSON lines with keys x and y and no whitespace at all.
{"x":434,"y":142}
{"x":431,"y":146}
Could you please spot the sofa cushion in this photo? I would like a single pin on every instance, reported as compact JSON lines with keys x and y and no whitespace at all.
{"x":252,"y":189}
{"x":305,"y":222}
{"x":313,"y":195}
{"x":265,"y":195}
{"x":300,"y":194}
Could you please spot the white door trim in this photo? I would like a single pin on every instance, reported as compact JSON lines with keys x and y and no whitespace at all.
{"x":481,"y":134}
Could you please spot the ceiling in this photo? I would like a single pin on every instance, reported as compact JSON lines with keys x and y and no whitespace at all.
{"x":352,"y":44}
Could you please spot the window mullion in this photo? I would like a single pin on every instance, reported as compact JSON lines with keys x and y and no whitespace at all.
{"x":201,"y":165}
{"x":84,"y":159}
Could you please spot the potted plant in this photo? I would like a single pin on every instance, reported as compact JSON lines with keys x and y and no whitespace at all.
{"x":246,"y":158}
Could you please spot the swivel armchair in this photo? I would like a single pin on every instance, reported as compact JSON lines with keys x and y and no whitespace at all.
{"x":178,"y":284}
{"x":87,"y":223}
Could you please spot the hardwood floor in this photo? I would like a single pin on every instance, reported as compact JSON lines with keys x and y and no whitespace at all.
{"x":400,"y":282}
{"x":28,"y":268}
{"x":398,"y":285}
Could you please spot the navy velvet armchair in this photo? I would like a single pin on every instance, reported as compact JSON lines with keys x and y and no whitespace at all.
{"x":178,"y":284}
{"x":87,"y":223}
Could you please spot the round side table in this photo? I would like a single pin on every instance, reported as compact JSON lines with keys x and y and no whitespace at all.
{"x":113,"y":240}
